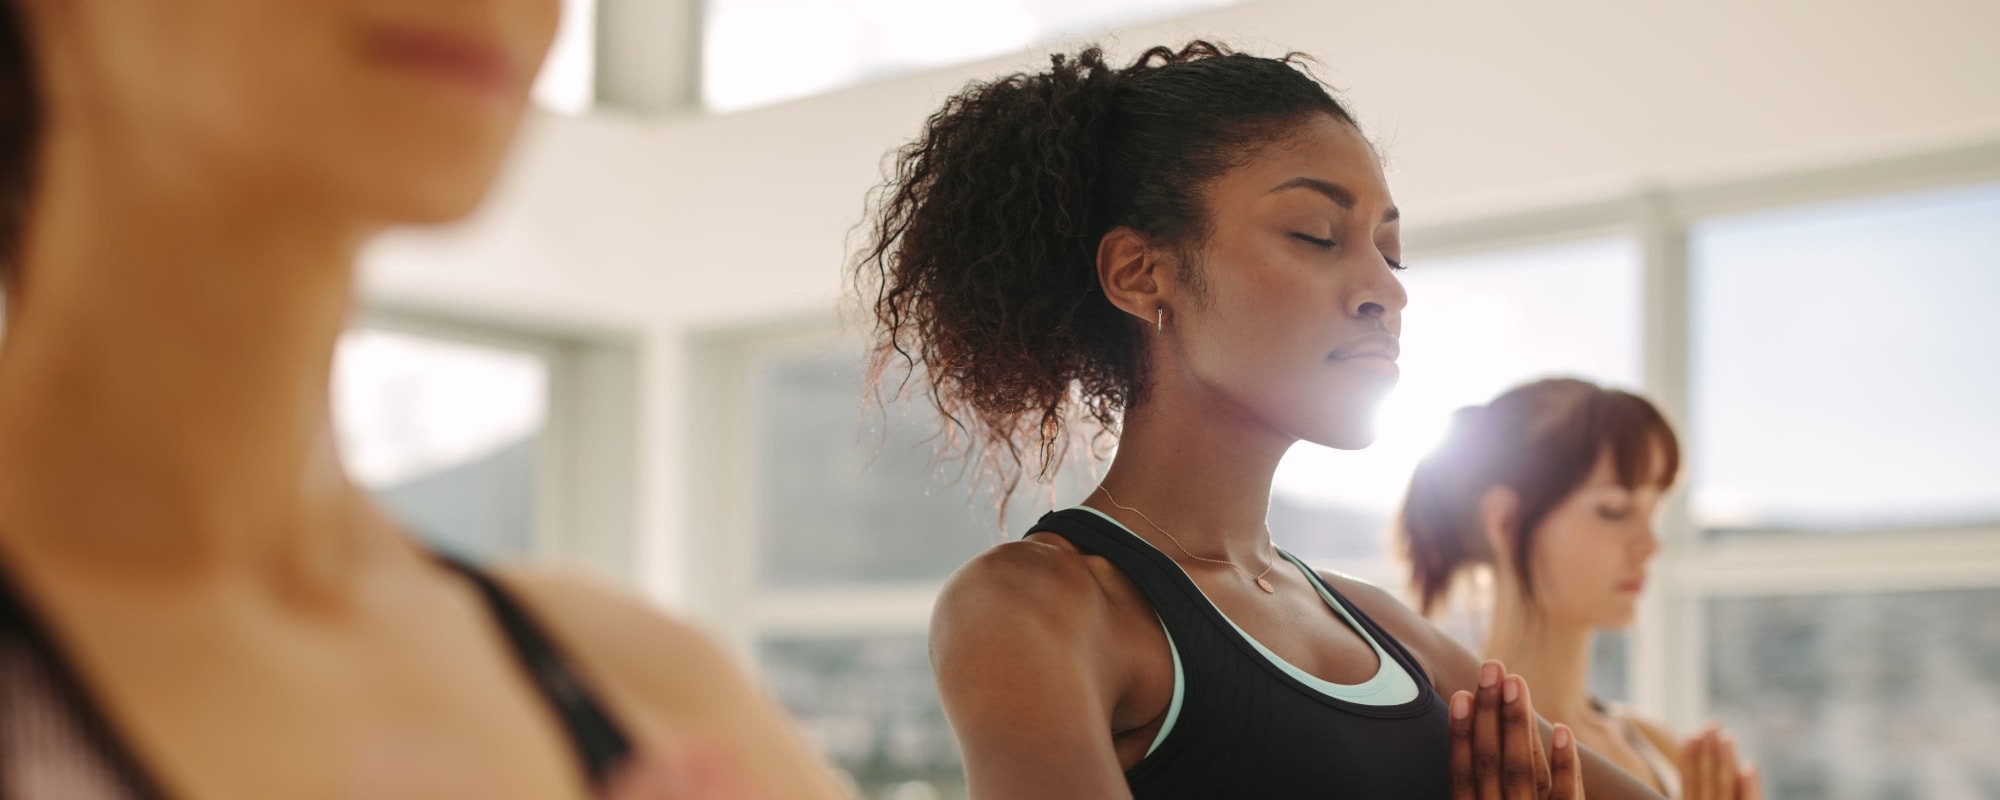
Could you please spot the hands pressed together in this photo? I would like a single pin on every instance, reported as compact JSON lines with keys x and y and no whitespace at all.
{"x":1710,"y":769}
{"x":1496,"y":745}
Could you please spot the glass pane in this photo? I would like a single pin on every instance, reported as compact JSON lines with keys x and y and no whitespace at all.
{"x":870,"y":704}
{"x":1476,"y":326}
{"x":445,"y":433}
{"x":843,"y":501}
{"x":1844,"y":372}
{"x":759,"y":52}
{"x":1863,"y":695}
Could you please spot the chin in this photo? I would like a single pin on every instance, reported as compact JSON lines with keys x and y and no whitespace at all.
{"x":1352,"y":433}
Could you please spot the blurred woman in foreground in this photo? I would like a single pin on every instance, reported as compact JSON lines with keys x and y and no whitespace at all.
{"x":195,"y":601}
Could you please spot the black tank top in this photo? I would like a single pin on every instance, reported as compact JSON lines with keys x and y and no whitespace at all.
{"x":55,"y":742}
{"x":1247,"y":728}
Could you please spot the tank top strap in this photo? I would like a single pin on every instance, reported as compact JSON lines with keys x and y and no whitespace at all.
{"x":1156,"y":575}
{"x":600,"y":744}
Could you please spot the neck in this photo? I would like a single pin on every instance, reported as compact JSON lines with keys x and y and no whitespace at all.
{"x":1200,"y":468}
{"x":1552,"y":655}
{"x":164,"y":389}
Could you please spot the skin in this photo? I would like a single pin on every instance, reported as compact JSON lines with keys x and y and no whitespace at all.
{"x":1590,"y":556}
{"x":1053,"y":669}
{"x":170,"y":495}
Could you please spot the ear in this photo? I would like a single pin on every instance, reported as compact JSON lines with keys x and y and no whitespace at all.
{"x":1500,"y":521}
{"x":1127,"y":271}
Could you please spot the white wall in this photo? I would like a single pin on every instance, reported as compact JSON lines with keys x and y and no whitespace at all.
{"x":659,"y":227}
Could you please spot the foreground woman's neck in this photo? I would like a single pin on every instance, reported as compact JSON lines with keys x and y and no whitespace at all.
{"x":164,"y":391}
{"x":1200,"y":469}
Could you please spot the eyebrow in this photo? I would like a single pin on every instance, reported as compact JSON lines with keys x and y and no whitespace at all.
{"x":1335,"y":192}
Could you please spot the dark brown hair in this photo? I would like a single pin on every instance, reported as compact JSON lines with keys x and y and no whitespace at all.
{"x":19,"y":126}
{"x":980,"y":273}
{"x":1540,"y":440}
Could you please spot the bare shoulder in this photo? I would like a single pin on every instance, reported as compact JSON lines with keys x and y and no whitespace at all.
{"x":1031,"y":671}
{"x":678,"y":681}
{"x":643,"y":649}
{"x":1040,"y":588}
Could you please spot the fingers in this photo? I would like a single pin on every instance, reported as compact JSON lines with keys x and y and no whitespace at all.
{"x":1543,"y":781}
{"x":1486,"y":755}
{"x":1748,"y":783}
{"x":1724,"y":764}
{"x":1698,"y":768}
{"x":1566,"y":766}
{"x":1517,"y":733}
{"x":1463,"y":786}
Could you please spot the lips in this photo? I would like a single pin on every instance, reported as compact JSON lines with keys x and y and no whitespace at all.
{"x":461,"y":60}
{"x":1379,"y":346}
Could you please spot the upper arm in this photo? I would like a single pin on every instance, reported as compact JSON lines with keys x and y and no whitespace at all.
{"x":675,"y":683}
{"x":1026,"y":692}
{"x":1454,"y":668}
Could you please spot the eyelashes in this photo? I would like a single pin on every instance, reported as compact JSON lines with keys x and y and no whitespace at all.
{"x":1327,"y":244}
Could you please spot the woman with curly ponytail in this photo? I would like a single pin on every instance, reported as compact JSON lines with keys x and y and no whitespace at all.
{"x":1552,"y":489}
{"x":1193,"y":256}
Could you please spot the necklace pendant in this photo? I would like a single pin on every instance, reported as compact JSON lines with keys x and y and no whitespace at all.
{"x":1266,"y":586}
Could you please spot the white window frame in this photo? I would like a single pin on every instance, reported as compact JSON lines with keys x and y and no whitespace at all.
{"x":1668,"y":663}
{"x":725,"y":588}
{"x":586,"y":491}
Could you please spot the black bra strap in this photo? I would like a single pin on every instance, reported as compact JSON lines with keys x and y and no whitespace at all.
{"x":600,"y":744}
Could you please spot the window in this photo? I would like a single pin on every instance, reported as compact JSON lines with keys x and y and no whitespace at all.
{"x":759,"y":52}
{"x":1849,"y":694}
{"x":847,"y":528}
{"x":1844,"y":368}
{"x":1846,"y":420}
{"x":447,"y":434}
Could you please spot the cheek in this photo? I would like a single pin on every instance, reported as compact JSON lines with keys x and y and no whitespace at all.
{"x":1574,"y":559}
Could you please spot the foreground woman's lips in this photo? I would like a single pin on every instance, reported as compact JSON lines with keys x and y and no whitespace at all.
{"x":467,"y":62}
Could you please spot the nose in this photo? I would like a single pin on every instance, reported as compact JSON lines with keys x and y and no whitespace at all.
{"x":1380,"y":296}
{"x":1647,"y":544}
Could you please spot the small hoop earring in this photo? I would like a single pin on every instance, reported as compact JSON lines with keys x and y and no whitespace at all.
{"x":1160,"y":320}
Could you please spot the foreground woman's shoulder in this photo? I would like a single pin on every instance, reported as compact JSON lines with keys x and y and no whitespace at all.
{"x":670,"y":681}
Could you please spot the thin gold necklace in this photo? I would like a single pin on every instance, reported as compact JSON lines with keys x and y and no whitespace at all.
{"x":1257,"y":578}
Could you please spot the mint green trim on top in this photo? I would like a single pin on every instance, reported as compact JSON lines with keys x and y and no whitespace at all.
{"x":1391,"y":685}
{"x":1180,"y":689}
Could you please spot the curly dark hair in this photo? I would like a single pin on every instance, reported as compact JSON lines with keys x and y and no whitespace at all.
{"x":19,"y":124}
{"x":980,"y":272}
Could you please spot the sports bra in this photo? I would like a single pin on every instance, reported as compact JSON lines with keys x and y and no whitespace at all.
{"x":56,"y":741}
{"x":1245,"y":724}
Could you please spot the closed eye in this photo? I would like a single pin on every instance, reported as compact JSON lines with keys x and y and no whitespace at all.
{"x":1323,"y":244}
